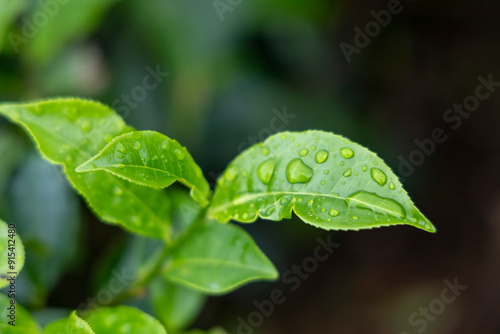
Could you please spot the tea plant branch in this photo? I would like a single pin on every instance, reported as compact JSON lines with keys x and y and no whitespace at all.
{"x":137,"y":288}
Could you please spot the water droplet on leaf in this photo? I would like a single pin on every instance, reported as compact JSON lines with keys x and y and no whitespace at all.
{"x":346,"y":152}
{"x":298,"y":172}
{"x":265,"y":170}
{"x":321,"y":156}
{"x":378,"y":176}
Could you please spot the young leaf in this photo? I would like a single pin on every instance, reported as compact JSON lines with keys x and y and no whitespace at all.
{"x":218,"y":259}
{"x":123,"y":319}
{"x":25,"y":324}
{"x":72,"y":324}
{"x":70,"y":131}
{"x":10,"y":243}
{"x":327,"y":180}
{"x":175,"y":305}
{"x":150,"y":159}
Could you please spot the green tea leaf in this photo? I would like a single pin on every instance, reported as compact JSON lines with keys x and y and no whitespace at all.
{"x":24,"y":322}
{"x":217,"y":259}
{"x":150,"y":159}
{"x":11,"y":246}
{"x":327,"y":180}
{"x":69,"y":132}
{"x":176,"y":306}
{"x":123,"y":319}
{"x":72,"y":324}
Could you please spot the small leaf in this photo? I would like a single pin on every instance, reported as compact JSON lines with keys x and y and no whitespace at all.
{"x":150,"y":159}
{"x":10,"y":243}
{"x":70,"y":131}
{"x":327,"y":180}
{"x":72,"y":324}
{"x":123,"y":319}
{"x":175,"y":305}
{"x":218,"y":259}
{"x":25,"y":324}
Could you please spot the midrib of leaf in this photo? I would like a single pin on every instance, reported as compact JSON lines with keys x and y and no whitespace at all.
{"x":87,"y":156}
{"x":251,"y":197}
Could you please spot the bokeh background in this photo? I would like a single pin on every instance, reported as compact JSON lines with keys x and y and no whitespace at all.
{"x":229,"y":76}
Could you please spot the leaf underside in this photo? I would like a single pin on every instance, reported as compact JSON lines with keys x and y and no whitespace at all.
{"x":329,"y":181}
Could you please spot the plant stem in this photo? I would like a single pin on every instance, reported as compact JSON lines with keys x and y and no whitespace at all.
{"x":137,"y":287}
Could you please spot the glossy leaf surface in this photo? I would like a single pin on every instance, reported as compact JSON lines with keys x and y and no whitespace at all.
{"x":69,"y":132}
{"x":150,"y":159}
{"x":72,"y":324}
{"x":327,"y":180}
{"x":219,"y":258}
{"x":124,"y":320}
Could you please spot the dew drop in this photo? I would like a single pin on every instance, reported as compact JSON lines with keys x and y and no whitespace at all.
{"x":333,"y":213}
{"x":346,"y":152}
{"x":326,"y":171}
{"x":121,"y":148}
{"x":137,"y":146}
{"x":348,"y":172}
{"x":313,"y":148}
{"x":310,"y":203}
{"x":231,"y":173}
{"x":323,"y":209}
{"x":321,"y":156}
{"x":118,"y":191}
{"x":378,"y":176}
{"x":179,"y":154}
{"x":392,"y":186}
{"x":245,"y":216}
{"x":300,"y":199}
{"x":86,"y":125}
{"x":298,"y":172}
{"x":266,"y":170}
{"x":270,"y":210}
{"x":284,"y":201}
{"x":283,"y":136}
{"x":164,"y":144}
{"x":364,"y":168}
{"x":264,"y":151}
{"x":37,"y":110}
{"x":342,"y":163}
{"x":375,"y":203}
{"x":303,"y":152}
{"x":354,"y":217}
{"x":71,"y":114}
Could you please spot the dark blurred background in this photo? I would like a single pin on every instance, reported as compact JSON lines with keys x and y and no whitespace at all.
{"x":234,"y":67}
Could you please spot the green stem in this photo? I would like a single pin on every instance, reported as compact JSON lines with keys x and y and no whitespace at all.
{"x":137,"y":287}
